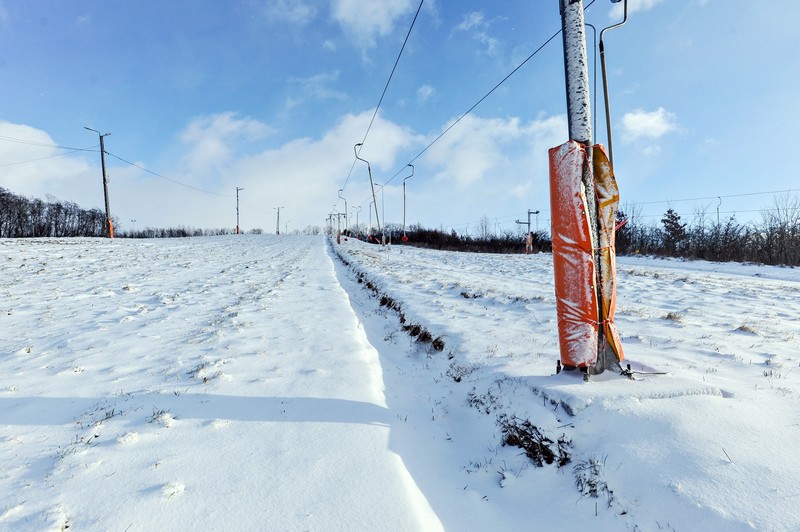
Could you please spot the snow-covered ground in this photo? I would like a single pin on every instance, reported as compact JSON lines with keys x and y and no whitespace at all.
{"x":273,"y":383}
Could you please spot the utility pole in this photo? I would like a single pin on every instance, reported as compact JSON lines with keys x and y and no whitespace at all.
{"x":237,"y":208}
{"x":109,"y":225}
{"x":278,"y":227}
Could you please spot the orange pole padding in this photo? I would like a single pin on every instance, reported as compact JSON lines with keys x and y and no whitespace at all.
{"x":607,"y":194}
{"x":110,"y":228}
{"x":573,"y":260}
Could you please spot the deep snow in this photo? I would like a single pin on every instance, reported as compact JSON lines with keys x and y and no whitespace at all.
{"x":255,"y":382}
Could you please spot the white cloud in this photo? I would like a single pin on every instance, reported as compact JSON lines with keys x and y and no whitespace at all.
{"x":317,"y":87}
{"x":472,"y":20}
{"x":485,"y":166}
{"x":32,"y":165}
{"x":329,"y":46}
{"x":293,"y":11}
{"x":502,"y":150}
{"x":633,"y":7}
{"x":212,"y":139}
{"x":425,"y":92}
{"x":708,"y":146}
{"x":476,"y":24}
{"x":491,"y":166}
{"x":304,"y":174}
{"x":365,"y":20}
{"x":643,"y":124}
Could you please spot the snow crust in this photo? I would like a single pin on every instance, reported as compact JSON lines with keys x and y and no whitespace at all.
{"x":256,"y":383}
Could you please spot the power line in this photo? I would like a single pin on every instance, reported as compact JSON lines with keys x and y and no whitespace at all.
{"x":468,"y":111}
{"x":476,"y":104}
{"x":385,"y":88}
{"x":169,"y":179}
{"x":716,"y":197}
{"x":43,"y":144}
{"x":69,"y":152}
{"x":29,"y":142}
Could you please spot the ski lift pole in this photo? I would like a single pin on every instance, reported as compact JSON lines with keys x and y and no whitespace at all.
{"x":371,"y":184}
{"x":345,"y":209}
{"x":383,"y":212}
{"x":537,"y":219}
{"x":579,"y":117}
{"x":605,"y":77}
{"x":405,"y":238}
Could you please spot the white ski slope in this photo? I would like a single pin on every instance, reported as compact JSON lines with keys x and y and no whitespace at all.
{"x":254,"y":383}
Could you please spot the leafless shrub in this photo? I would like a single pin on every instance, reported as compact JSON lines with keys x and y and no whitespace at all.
{"x":538,"y":447}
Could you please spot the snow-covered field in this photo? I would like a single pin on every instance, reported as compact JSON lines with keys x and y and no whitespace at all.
{"x":263,"y":383}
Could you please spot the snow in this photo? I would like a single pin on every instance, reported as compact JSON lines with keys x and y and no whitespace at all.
{"x":255,"y":382}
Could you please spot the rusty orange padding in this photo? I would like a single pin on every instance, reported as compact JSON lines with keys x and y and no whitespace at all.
{"x":573,"y":261}
{"x":607,"y":194}
{"x":573,"y":254}
{"x":110,"y":228}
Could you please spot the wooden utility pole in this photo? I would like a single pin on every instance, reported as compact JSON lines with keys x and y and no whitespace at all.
{"x":278,"y":227}
{"x":109,"y":225}
{"x":237,"y":209}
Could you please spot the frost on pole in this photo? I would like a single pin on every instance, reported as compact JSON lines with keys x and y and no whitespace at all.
{"x":583,"y":199}
{"x":579,"y":109}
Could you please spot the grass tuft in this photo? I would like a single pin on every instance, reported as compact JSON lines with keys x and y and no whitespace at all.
{"x":538,"y":447}
{"x":677,"y":317}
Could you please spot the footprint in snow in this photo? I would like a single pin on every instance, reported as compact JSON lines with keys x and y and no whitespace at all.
{"x":218,"y":423}
{"x":128,"y":438}
{"x":172,"y":489}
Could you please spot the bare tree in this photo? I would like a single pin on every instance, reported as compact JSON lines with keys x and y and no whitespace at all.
{"x":484,"y":228}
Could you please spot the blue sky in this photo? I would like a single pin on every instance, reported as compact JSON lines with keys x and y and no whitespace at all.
{"x":272,"y":95}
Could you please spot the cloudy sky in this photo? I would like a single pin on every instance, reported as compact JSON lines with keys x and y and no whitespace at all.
{"x":272,"y":95}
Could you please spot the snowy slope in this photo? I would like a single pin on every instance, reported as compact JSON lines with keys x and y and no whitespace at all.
{"x":707,"y":446}
{"x":260,"y":382}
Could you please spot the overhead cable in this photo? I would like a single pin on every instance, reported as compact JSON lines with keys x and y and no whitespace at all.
{"x":385,"y":88}
{"x":42,"y":144}
{"x":476,"y":104}
{"x":69,"y":151}
{"x":167,"y":178}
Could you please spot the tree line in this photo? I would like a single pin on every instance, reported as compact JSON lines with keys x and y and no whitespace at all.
{"x":774,"y":239}
{"x":419,"y":236}
{"x":23,"y":217}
